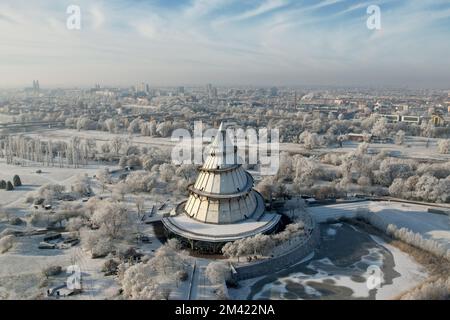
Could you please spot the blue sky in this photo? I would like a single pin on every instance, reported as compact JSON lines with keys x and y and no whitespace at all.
{"x":226,"y":42}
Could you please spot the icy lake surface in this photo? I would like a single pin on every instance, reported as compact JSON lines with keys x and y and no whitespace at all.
{"x":350,"y":264}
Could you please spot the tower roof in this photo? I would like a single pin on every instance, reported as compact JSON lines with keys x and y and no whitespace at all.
{"x":222,"y":151}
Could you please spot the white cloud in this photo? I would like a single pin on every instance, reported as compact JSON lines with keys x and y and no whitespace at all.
{"x":285,"y":42}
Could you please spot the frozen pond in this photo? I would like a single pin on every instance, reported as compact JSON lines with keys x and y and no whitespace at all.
{"x":350,"y":264}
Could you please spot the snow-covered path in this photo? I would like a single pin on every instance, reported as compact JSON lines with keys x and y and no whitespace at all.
{"x":201,"y":286}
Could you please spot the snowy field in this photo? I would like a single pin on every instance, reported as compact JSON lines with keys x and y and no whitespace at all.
{"x":21,"y":271}
{"x":404,"y":215}
{"x":32,"y":181}
{"x":21,"y":267}
{"x":414,"y":147}
{"x":5,"y":118}
{"x":350,"y":264}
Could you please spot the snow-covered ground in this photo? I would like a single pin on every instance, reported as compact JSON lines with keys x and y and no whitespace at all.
{"x":414,"y":147}
{"x":404,"y":215}
{"x":32,"y":181}
{"x":5,"y":118}
{"x":22,"y":266}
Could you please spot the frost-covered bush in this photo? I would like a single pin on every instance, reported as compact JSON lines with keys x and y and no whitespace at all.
{"x":444,"y":146}
{"x":113,"y":219}
{"x":262,"y":244}
{"x":435,"y":290}
{"x":75,"y":224}
{"x":152,"y":279}
{"x":138,"y":283}
{"x":97,"y":243}
{"x":371,"y":218}
{"x":110,"y":267}
{"x":403,"y":234}
{"x":141,"y":181}
{"x":424,"y":188}
{"x":6,"y":243}
{"x":418,"y":241}
{"x":218,"y":272}
{"x":82,"y":185}
{"x":51,"y":271}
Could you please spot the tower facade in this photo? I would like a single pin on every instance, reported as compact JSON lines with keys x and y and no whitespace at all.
{"x":222,"y":205}
{"x":223,"y":192}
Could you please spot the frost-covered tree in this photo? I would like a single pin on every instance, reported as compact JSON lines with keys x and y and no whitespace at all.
{"x":266,"y":187}
{"x":9,"y":186}
{"x":113,"y":218}
{"x":104,"y":177}
{"x":218,"y":272}
{"x":75,"y":224}
{"x":140,"y":206}
{"x":167,"y":262}
{"x":309,"y":140}
{"x":380,"y":129}
{"x":116,"y":144}
{"x":164,"y":128}
{"x":6,"y":243}
{"x":444,"y":146}
{"x":431,"y":290}
{"x":82,"y":185}
{"x":110,"y":125}
{"x":16,"y":181}
{"x":139,"y":283}
{"x":119,"y":191}
{"x":97,"y":242}
{"x":400,"y":137}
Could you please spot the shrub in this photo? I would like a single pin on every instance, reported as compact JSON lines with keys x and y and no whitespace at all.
{"x":16,"y":181}
{"x":9,"y":186}
{"x":110,"y":267}
{"x":16,"y":221}
{"x":52,"y":271}
{"x":182,"y":275}
{"x":6,"y":243}
{"x":434,"y":290}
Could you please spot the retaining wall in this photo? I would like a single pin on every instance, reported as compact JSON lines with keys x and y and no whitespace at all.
{"x":278,"y":263}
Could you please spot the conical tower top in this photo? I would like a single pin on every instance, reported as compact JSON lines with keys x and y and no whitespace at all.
{"x":222,"y":152}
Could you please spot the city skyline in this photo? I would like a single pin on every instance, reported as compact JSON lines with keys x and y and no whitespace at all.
{"x":270,"y":42}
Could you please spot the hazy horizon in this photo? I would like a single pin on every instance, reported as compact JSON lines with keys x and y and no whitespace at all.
{"x":226,"y":42}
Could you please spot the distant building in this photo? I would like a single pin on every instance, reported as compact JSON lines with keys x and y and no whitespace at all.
{"x":36,"y":86}
{"x":359,"y":137}
{"x":274,"y":91}
{"x":211,"y":91}
{"x":142,"y":88}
